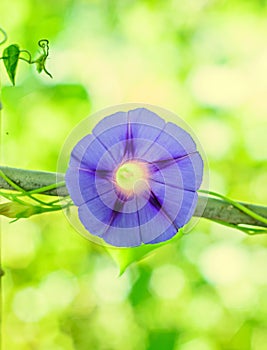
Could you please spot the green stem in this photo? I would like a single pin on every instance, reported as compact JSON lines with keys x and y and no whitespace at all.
{"x":31,"y":181}
{"x":222,"y":210}
{"x":237,"y":205}
{"x":29,"y":193}
{"x":47,"y":188}
{"x":29,"y":60}
{"x":247,"y":230}
{"x":4,"y":36}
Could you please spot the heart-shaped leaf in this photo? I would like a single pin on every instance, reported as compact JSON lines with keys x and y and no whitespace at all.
{"x":11,"y":57}
{"x":126,"y":256}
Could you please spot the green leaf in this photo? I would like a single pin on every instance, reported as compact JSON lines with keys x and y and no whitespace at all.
{"x":126,"y":256}
{"x":11,"y":57}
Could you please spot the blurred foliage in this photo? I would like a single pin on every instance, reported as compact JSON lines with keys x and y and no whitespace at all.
{"x":204,"y":60}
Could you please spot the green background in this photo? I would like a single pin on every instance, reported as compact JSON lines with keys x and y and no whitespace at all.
{"x":207,"y":62}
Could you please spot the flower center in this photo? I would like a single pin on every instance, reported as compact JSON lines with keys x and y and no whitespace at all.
{"x":131,"y":177}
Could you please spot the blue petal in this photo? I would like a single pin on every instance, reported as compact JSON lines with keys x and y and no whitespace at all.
{"x":97,"y":215}
{"x":79,"y":151}
{"x":184,"y":173}
{"x":119,"y":237}
{"x":182,"y":137}
{"x":118,"y":119}
{"x":115,"y":228}
{"x":124,"y":231}
{"x":145,"y":117}
{"x":111,"y":131}
{"x":87,"y":154}
{"x":84,"y":185}
{"x":91,"y":222}
{"x":129,"y":130}
{"x":167,"y":211}
{"x":72,"y":184}
{"x":191,"y":168}
{"x":172,"y":143}
{"x":145,"y":127}
{"x":112,"y":210}
{"x":178,"y":204}
{"x":153,"y":220}
{"x":168,"y":234}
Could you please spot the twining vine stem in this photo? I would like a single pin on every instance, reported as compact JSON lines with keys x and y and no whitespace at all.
{"x":222,"y":210}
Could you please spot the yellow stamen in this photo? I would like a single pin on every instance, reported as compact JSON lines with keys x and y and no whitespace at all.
{"x":131,"y":177}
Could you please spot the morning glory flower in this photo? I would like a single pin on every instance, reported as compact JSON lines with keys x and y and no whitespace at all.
{"x":134,"y":178}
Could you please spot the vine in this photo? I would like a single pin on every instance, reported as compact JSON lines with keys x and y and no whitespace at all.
{"x":12,"y":54}
{"x":17,"y":207}
{"x":242,"y":208}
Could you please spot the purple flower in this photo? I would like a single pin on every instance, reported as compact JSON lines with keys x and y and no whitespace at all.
{"x":134,"y":178}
